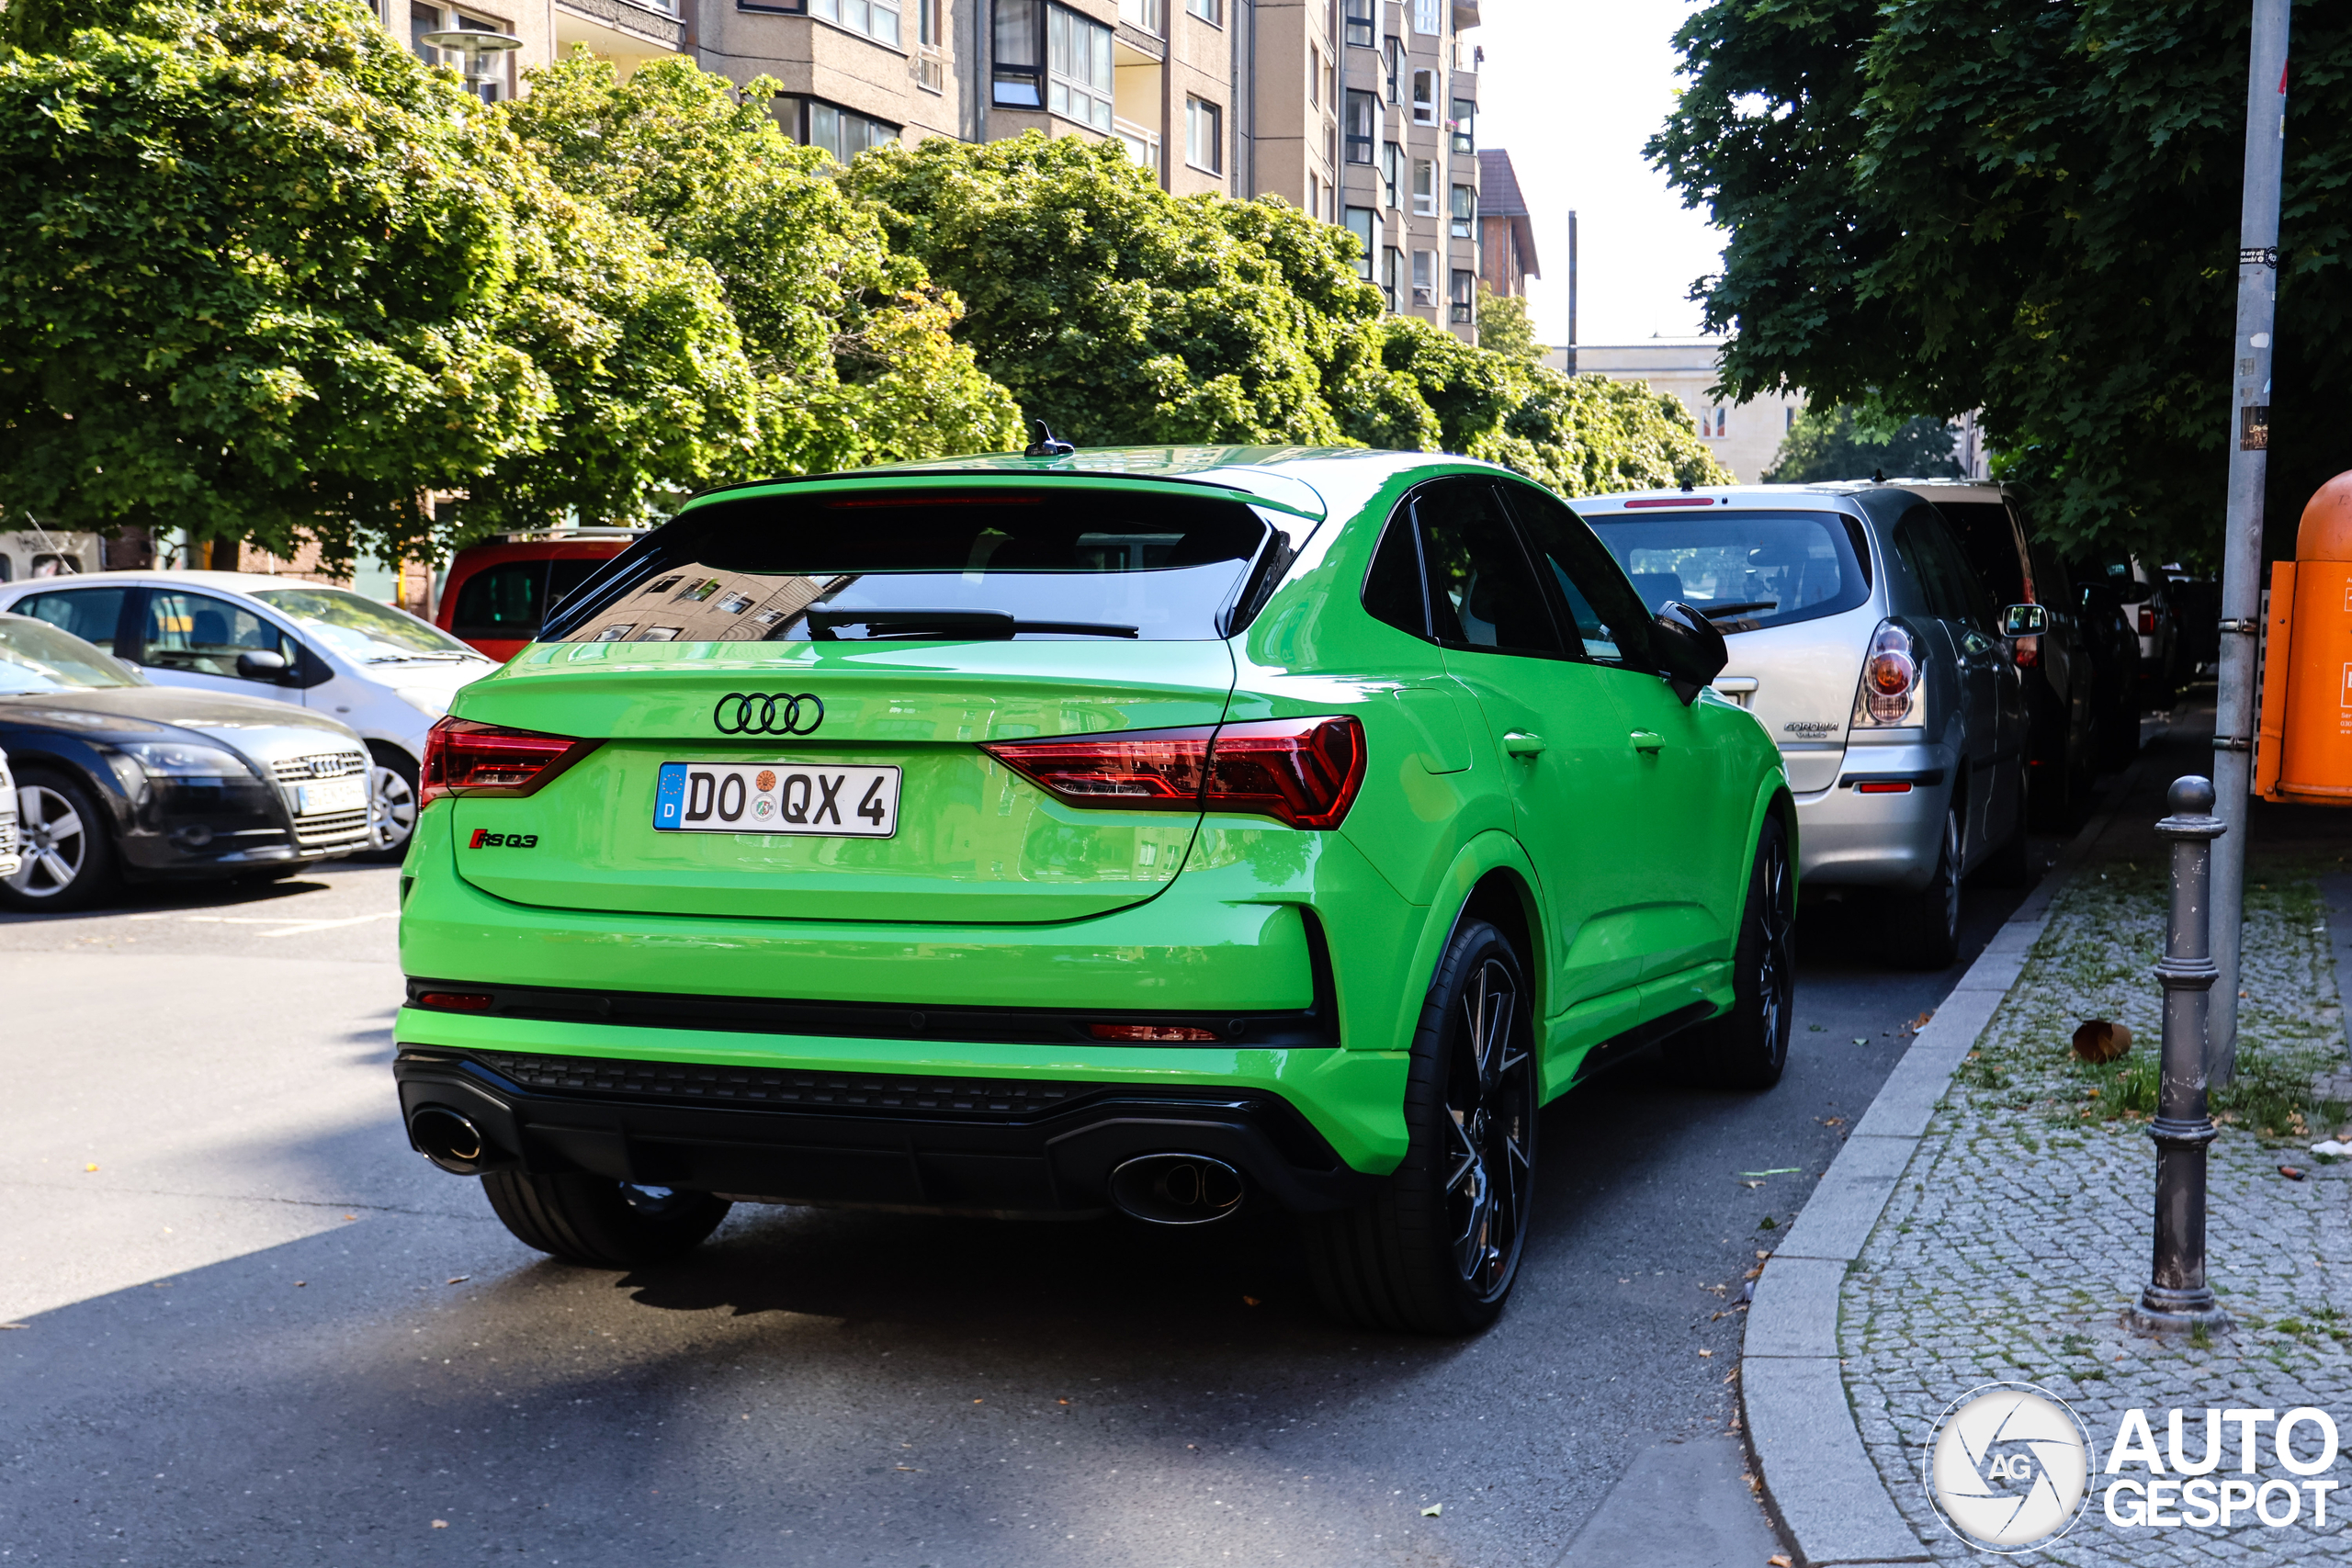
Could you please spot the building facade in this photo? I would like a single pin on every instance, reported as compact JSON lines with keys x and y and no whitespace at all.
{"x":1361,"y":112}
{"x":1507,"y":257}
{"x":1745,"y":437}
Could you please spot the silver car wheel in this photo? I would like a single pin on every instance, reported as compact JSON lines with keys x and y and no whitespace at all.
{"x":392,"y":809}
{"x":53,"y":842}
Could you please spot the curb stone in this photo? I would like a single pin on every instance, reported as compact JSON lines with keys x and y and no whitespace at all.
{"x":1819,"y":1485}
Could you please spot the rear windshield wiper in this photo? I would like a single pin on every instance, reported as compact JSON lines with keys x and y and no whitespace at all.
{"x":979,"y":626}
{"x":1717,"y":612}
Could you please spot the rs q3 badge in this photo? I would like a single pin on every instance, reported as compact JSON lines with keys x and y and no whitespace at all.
{"x":768,"y":713}
{"x":484,"y":838}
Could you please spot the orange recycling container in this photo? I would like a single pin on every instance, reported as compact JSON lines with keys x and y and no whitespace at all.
{"x":2303,"y":751}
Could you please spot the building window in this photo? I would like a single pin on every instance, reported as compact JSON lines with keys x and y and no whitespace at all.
{"x":1424,"y":98}
{"x":1362,"y":223}
{"x":486,"y":77}
{"x":1788,"y":419}
{"x":845,"y":133}
{"x":1392,"y":169}
{"x":1465,"y":125}
{"x":876,"y":18}
{"x":1392,"y":274}
{"x":1314,"y":76}
{"x":1079,"y":68}
{"x":1722,"y":418}
{"x":1465,"y":210}
{"x":1149,"y":16}
{"x":931,"y":33}
{"x":1364,"y":125}
{"x":1395,"y":64}
{"x":1425,"y":19}
{"x":1424,"y":188}
{"x":1360,"y":29}
{"x":1424,"y":277}
{"x":1142,"y":145}
{"x":1330,"y":144}
{"x":1465,"y":296}
{"x":1207,"y":10}
{"x":1018,"y":80}
{"x":1204,"y":136}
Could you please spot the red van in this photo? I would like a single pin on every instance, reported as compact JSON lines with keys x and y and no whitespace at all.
{"x":499,"y":592}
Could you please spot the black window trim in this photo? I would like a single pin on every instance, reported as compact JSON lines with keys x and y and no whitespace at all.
{"x":1640,"y":659}
{"x":1571,"y":648}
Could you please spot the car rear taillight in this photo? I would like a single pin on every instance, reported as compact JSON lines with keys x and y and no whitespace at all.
{"x":1889,"y":687}
{"x":1303,"y":771}
{"x":2147,"y":622}
{"x":463,"y":756}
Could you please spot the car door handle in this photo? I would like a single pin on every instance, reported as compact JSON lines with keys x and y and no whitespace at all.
{"x":1648,"y":742}
{"x":1518,"y":743}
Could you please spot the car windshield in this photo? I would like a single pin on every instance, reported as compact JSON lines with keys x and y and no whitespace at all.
{"x":37,"y":657}
{"x":363,"y":629}
{"x":1744,"y":570}
{"x":930,"y":566}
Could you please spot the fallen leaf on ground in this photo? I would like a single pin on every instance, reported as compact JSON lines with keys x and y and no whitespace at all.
{"x":460,"y":1278}
{"x":440,"y":1524}
{"x":1710,"y":1352}
{"x":1779,"y":1562}
{"x":1433,"y":1510}
{"x":299,"y":1283}
{"x":1249,"y":1300}
{"x":2290,"y":1173}
{"x":89,"y":1167}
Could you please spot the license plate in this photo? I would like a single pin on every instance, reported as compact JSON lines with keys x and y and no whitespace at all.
{"x":820,"y":801}
{"x":331,"y":796}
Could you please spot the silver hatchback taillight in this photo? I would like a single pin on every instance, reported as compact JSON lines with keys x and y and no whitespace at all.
{"x":1889,"y":696}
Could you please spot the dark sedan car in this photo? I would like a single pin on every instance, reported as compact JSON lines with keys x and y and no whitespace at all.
{"x":120,"y":781}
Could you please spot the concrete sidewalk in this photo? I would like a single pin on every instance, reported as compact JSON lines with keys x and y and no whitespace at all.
{"x":1990,"y":1218}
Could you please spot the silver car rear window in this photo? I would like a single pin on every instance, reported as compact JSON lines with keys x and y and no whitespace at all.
{"x":1744,"y":570}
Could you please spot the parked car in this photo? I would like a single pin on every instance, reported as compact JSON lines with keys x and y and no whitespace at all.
{"x":9,"y":859}
{"x":118,"y":779}
{"x":2115,"y":656}
{"x":382,"y":671}
{"x":2147,"y":594}
{"x":1989,"y":521}
{"x":495,"y":593}
{"x":2196,"y":610}
{"x":1137,"y":829}
{"x":1875,"y":658}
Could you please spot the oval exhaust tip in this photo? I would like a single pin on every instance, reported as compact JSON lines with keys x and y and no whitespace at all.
{"x":447,"y":1139}
{"x":1176,"y":1189}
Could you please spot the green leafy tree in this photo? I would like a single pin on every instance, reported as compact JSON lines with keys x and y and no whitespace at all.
{"x":265,"y":275}
{"x":2031,"y":209}
{"x":1835,"y":441}
{"x":1110,"y":309}
{"x":851,"y":343}
{"x":1506,"y":327}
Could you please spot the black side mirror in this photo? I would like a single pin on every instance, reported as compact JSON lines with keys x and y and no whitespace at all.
{"x":2025,"y":620}
{"x":1691,"y":647}
{"x":2131,"y":591}
{"x":259,"y":666}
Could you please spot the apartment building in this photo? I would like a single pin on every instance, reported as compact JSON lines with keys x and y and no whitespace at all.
{"x":1744,"y":437}
{"x":1507,"y":257}
{"x":1361,"y":112}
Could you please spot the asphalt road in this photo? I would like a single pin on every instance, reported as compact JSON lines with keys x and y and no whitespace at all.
{"x":244,"y":1324}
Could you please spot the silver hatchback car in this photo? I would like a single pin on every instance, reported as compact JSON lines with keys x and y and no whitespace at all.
{"x":1876,"y":660}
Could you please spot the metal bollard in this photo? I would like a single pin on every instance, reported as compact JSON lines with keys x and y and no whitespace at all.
{"x":2177,"y":1297}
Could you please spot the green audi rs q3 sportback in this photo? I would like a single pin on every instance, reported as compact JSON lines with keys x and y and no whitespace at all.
{"x":1158,"y":830}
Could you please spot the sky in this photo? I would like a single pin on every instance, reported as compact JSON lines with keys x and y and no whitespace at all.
{"x":1571,"y":89}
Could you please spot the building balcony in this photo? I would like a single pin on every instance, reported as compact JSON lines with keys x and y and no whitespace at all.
{"x":627,"y":31}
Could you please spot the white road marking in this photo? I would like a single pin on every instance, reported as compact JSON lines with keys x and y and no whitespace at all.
{"x":329,"y":925}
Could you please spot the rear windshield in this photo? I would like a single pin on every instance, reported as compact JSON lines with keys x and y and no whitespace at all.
{"x":935,"y":566}
{"x":1743,"y":570}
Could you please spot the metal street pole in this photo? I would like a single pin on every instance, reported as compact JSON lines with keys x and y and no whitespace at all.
{"x":2233,"y":716}
{"x":2177,"y":1296}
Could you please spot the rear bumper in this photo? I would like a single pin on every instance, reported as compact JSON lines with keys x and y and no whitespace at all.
{"x":1037,"y":1147}
{"x":1847,"y":838}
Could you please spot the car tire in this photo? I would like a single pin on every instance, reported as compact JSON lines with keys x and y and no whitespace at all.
{"x":391,"y":803}
{"x":72,"y":869}
{"x":599,"y":1222}
{"x":1747,"y":1047}
{"x":1436,"y":1250}
{"x":1923,"y":927}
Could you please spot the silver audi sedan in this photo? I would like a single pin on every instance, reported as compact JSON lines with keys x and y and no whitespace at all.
{"x":1877,"y":660}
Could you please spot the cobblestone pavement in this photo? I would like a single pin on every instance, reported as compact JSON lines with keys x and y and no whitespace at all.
{"x":2020,"y":1232}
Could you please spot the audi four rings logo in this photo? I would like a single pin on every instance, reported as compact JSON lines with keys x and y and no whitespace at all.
{"x":768,"y":713}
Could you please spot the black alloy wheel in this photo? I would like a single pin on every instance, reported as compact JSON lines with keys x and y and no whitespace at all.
{"x":1747,"y":1047}
{"x":1437,"y":1250}
{"x":1923,"y":927}
{"x":601,"y":1222}
{"x":67,"y":857}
